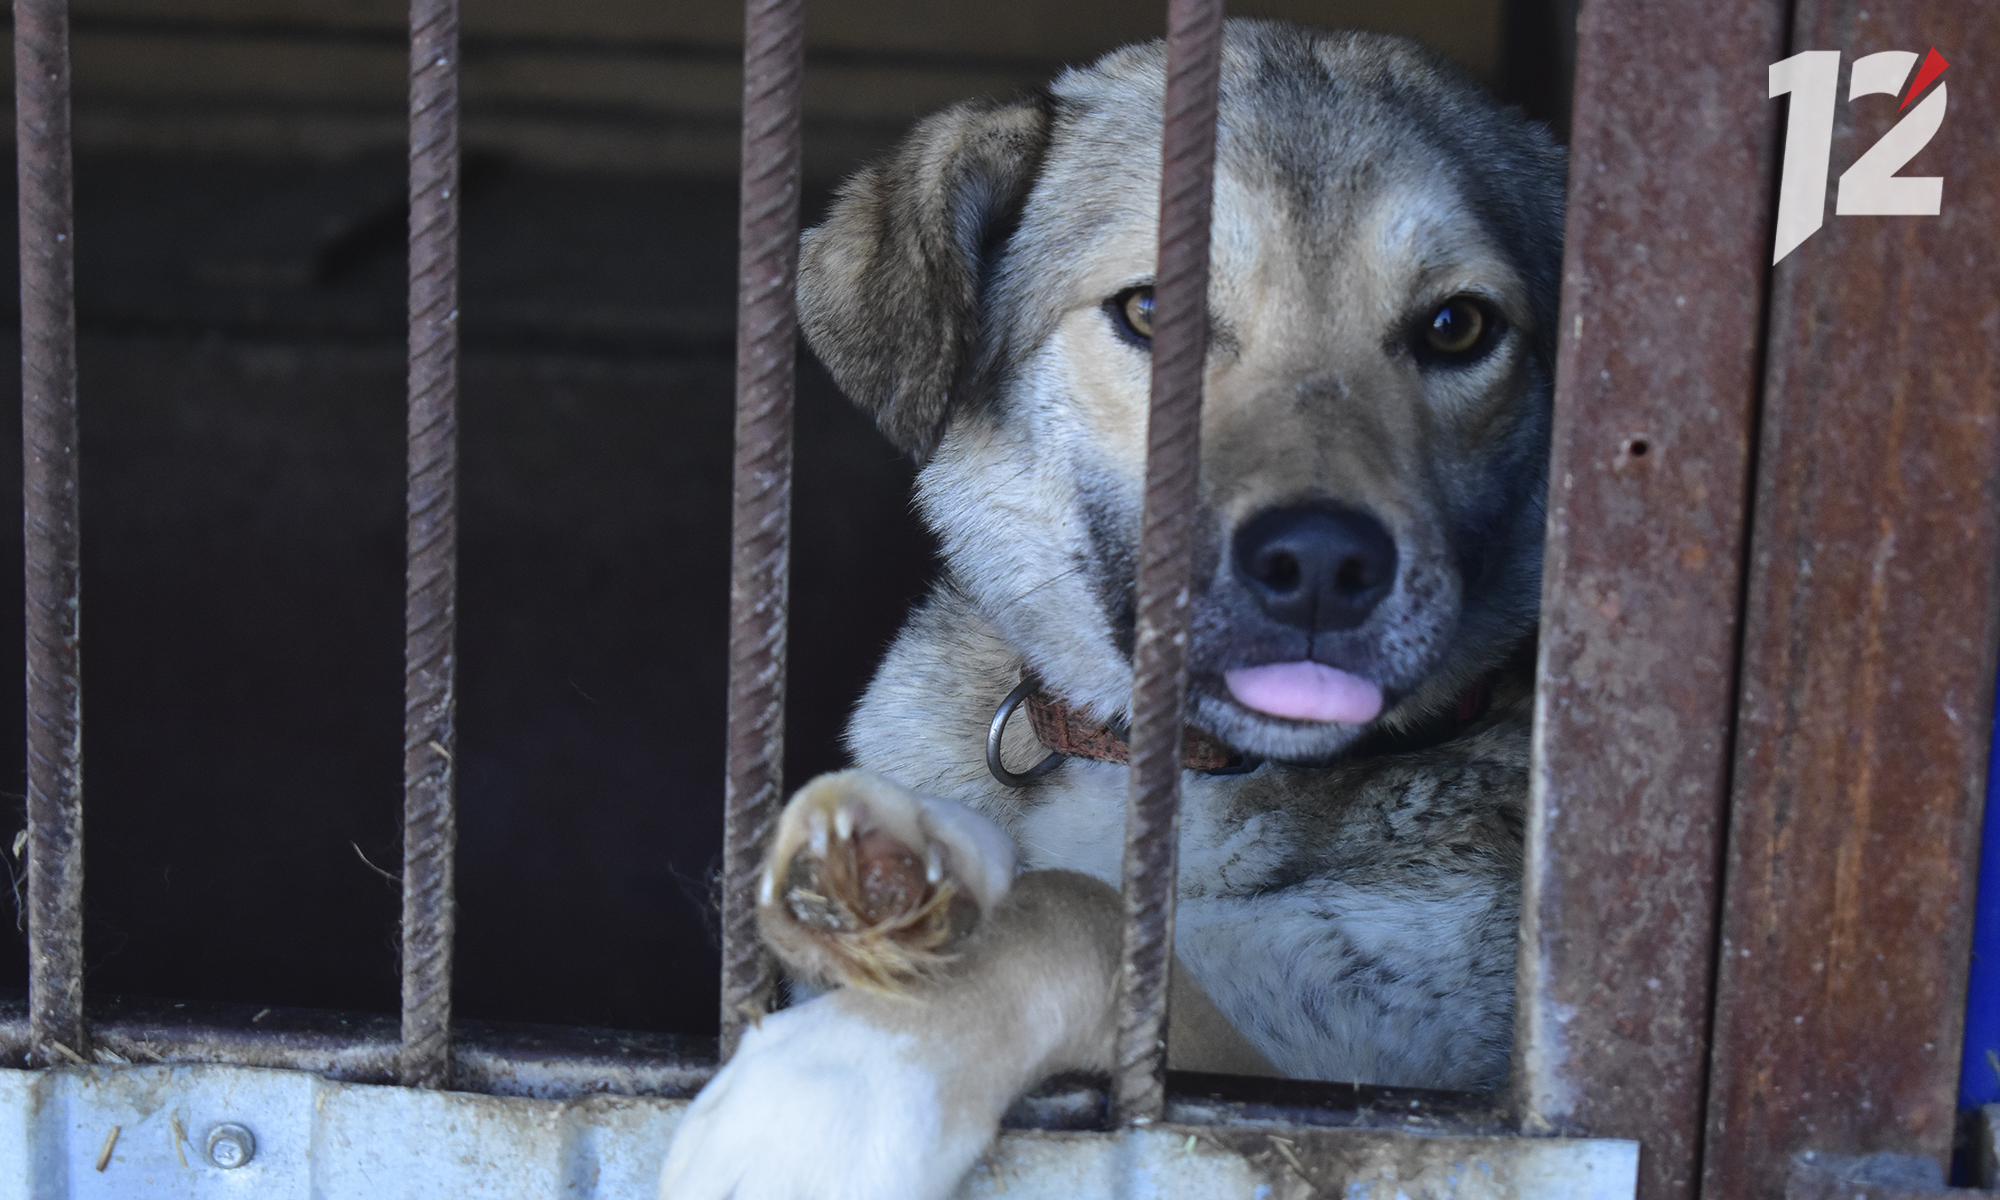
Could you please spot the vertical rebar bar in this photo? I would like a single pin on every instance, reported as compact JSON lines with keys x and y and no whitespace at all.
{"x":430,"y":819}
{"x":760,"y":568}
{"x":1159,"y":656}
{"x":49,"y":496}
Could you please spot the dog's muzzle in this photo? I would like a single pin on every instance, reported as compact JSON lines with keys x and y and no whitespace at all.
{"x":1316,"y":569}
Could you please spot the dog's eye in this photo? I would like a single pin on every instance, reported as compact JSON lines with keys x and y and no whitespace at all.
{"x":1132,"y":311}
{"x":1461,"y":330}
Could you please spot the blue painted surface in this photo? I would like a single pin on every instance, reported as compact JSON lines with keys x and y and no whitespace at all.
{"x":1979,"y":1078}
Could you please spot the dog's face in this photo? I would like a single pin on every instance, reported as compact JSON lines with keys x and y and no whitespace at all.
{"x":1375,"y":411}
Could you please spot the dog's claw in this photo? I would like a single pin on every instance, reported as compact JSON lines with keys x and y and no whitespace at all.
{"x":870,"y":884}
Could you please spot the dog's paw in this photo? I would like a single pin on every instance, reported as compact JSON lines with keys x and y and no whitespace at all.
{"x":823,"y":1102}
{"x":871,"y":885}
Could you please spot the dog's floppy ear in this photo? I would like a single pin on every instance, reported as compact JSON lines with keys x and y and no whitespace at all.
{"x":889,"y":286}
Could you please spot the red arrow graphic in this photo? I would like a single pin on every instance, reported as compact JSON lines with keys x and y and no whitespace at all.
{"x":1934,"y":65}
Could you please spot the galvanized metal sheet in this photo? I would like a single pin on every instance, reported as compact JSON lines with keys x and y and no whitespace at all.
{"x":314,"y":1140}
{"x":320,"y":1140}
{"x":1172,"y":1162}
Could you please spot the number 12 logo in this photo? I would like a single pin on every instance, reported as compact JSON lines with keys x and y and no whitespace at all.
{"x":1871,"y":186}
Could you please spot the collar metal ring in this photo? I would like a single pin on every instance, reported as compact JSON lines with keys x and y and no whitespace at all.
{"x":998,"y":727}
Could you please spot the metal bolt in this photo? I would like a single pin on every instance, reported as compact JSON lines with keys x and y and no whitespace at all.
{"x":231,"y":1146}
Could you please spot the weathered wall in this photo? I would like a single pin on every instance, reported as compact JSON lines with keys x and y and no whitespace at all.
{"x":624,"y":84}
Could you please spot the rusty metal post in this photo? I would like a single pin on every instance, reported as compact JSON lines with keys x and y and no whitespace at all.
{"x":49,"y":472}
{"x":1159,"y":656}
{"x":1869,"y":636}
{"x":761,"y":529}
{"x":430,"y":819}
{"x":1636,"y":686}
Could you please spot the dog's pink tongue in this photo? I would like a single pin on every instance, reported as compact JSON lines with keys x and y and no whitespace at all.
{"x":1305,"y":691}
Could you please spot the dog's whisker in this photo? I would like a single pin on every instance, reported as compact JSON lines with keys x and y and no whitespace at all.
{"x":1052,"y":580}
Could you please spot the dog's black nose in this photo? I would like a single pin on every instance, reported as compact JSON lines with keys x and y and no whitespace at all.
{"x":1316,"y":568}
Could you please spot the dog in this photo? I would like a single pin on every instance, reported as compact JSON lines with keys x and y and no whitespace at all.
{"x":1385,"y":267}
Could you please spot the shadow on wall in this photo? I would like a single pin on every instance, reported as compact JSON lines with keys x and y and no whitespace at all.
{"x":243,"y":425}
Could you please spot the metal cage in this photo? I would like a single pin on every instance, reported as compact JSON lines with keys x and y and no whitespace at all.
{"x":1767,"y":645}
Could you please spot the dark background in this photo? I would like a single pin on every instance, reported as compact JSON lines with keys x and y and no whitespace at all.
{"x":240,"y":298}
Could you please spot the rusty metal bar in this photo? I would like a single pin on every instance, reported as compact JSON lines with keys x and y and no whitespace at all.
{"x":1868,"y":650}
{"x":563,"y":1062}
{"x":49,"y":473}
{"x":497,"y":1059}
{"x":761,"y":530}
{"x":430,"y":665}
{"x":1159,"y":655}
{"x":1651,"y":450}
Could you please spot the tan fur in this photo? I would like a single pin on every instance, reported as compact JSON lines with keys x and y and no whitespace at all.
{"x":1347,"y":910}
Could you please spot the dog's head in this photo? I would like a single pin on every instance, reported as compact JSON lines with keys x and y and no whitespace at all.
{"x":1386,"y":248}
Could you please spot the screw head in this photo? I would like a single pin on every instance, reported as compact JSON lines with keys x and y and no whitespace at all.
{"x":231,"y":1146}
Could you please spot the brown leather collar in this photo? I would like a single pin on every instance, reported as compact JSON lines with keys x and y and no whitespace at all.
{"x":1066,"y":731}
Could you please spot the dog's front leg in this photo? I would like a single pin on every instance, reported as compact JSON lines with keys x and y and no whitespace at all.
{"x":956,"y":986}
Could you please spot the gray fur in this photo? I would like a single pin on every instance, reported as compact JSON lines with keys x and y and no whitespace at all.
{"x":1352,"y":916}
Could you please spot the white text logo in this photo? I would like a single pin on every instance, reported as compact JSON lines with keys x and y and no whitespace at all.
{"x":1871,"y":186}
